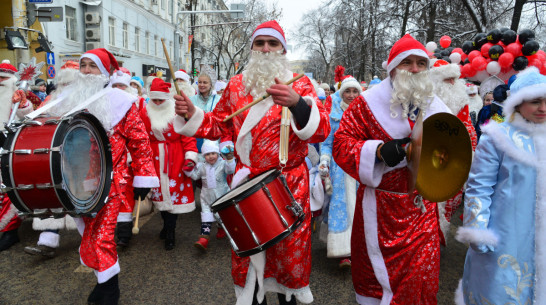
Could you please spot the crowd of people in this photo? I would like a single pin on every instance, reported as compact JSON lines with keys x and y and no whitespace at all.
{"x":346,"y":167}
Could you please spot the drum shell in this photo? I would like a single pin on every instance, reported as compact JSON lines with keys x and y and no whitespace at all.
{"x":261,"y":207}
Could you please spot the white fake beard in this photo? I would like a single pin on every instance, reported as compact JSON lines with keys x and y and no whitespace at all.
{"x":7,"y":87}
{"x":410,"y":89}
{"x":475,"y":103}
{"x":261,"y":70}
{"x":161,"y":115}
{"x":186,"y":88}
{"x":83,"y":87}
{"x":454,"y":96}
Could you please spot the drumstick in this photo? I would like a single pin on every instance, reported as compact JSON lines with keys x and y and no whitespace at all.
{"x":260,"y":99}
{"x":135,"y":227}
{"x":171,"y":69}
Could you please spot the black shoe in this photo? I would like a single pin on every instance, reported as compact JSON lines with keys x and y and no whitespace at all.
{"x":106,"y":293}
{"x":8,"y":239}
{"x":40,"y":250}
{"x":169,"y":239}
{"x":163,"y":234}
{"x":125,"y":232}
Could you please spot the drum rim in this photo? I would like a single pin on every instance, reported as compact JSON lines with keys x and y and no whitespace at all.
{"x":106,"y":161}
{"x":272,"y":174}
{"x":274,"y":240}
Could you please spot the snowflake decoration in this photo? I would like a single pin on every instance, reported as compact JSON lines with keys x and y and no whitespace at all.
{"x":184,"y":199}
{"x":181,"y":187}
{"x":156,"y":193}
{"x":174,"y":197}
{"x":29,"y":72}
{"x":172,"y":183}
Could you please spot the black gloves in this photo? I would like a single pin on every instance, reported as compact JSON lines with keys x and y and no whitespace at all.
{"x":141,"y":192}
{"x":392,"y":152}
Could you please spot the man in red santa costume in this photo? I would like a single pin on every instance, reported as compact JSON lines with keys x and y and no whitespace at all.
{"x":120,"y":118}
{"x":395,"y":240}
{"x":285,"y":267}
{"x":452,"y":91}
{"x":9,"y":221}
{"x":172,"y":152}
{"x":475,"y":103}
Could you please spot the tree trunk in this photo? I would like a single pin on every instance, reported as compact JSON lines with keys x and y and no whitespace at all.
{"x":405,"y":18}
{"x":518,"y":7}
{"x":431,"y":31}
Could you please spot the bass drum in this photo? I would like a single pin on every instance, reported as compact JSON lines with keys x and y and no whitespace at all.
{"x":57,"y":166}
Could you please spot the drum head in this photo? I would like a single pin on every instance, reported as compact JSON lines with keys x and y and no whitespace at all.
{"x":85,"y":165}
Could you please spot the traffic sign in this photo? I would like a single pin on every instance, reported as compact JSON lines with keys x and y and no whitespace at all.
{"x":50,"y":58}
{"x":40,"y":1}
{"x":50,"y":13}
{"x":51,"y":72}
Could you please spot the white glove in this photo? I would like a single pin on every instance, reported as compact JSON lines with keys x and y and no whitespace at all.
{"x":323,"y":168}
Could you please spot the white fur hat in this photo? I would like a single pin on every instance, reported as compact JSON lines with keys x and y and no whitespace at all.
{"x":528,"y":85}
{"x":349,"y":82}
{"x":210,"y":147}
{"x":120,"y":78}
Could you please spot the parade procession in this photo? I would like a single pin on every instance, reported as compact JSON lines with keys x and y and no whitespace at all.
{"x":272,"y":152}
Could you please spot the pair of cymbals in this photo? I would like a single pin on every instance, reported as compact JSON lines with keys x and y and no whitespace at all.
{"x":439,"y":156}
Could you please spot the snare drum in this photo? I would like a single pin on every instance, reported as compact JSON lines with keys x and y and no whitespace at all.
{"x":258,"y":214}
{"x":58,"y":166}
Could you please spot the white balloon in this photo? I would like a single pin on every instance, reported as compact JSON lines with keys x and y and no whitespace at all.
{"x":493,"y":68}
{"x":455,"y":58}
{"x":431,"y":46}
{"x":481,"y":75}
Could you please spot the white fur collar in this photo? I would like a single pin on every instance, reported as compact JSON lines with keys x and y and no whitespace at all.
{"x":378,"y":99}
{"x":255,"y":115}
{"x":120,"y":102}
{"x":343,"y":105}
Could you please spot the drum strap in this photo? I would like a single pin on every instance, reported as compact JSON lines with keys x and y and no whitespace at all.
{"x":90,"y":100}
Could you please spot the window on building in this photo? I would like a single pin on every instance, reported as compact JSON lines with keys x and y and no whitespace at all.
{"x":137,"y":39}
{"x":156,"y":45}
{"x":171,"y":48}
{"x":147,"y":42}
{"x":163,"y":4}
{"x":125,"y":35}
{"x":170,"y":6}
{"x":112,"y":31}
{"x":71,"y":25}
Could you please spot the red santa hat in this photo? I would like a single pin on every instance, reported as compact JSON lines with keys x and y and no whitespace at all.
{"x":7,"y":70}
{"x":404,"y":47}
{"x":181,"y":74}
{"x":441,"y":70}
{"x":70,"y":64}
{"x":159,"y":90}
{"x":349,"y":82}
{"x":471,"y":89}
{"x":68,"y":73}
{"x":104,"y":60}
{"x":270,"y":28}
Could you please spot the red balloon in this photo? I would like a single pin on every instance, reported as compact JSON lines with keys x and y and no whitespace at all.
{"x":464,"y":57}
{"x":541,"y":56}
{"x":513,"y":48}
{"x":536,"y":62}
{"x":543,"y":70}
{"x":485,"y":49}
{"x":473,"y":55}
{"x":506,"y":70}
{"x":479,"y":64}
{"x":457,"y":50}
{"x":470,"y":72}
{"x":445,"y":41}
{"x":506,"y":60}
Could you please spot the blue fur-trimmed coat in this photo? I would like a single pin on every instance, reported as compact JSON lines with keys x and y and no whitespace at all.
{"x":505,"y":205}
{"x":342,"y":202}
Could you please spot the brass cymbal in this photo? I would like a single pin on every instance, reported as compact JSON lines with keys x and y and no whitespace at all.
{"x":440,"y":156}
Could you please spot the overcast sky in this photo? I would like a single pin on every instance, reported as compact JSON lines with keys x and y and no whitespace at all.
{"x":293,"y":11}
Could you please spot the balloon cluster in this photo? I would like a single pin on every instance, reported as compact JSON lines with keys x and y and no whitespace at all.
{"x":500,"y":52}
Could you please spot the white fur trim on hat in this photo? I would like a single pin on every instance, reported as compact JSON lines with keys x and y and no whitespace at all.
{"x":159,"y":95}
{"x":210,"y":147}
{"x":349,"y":82}
{"x":441,"y":73}
{"x":398,"y":59}
{"x":182,"y":75}
{"x":120,"y":78}
{"x":529,"y":84}
{"x":97,"y":61}
{"x":269,"y":32}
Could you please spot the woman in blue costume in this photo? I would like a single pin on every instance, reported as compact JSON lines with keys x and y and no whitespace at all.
{"x":505,"y":203}
{"x":206,"y":98}
{"x":342,"y":202}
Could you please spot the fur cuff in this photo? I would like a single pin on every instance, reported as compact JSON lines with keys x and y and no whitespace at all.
{"x":192,"y":155}
{"x":190,"y":127}
{"x":125,"y":217}
{"x":370,"y":172}
{"x":475,"y":236}
{"x":49,"y":239}
{"x":313,"y":123}
{"x":146,"y":181}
